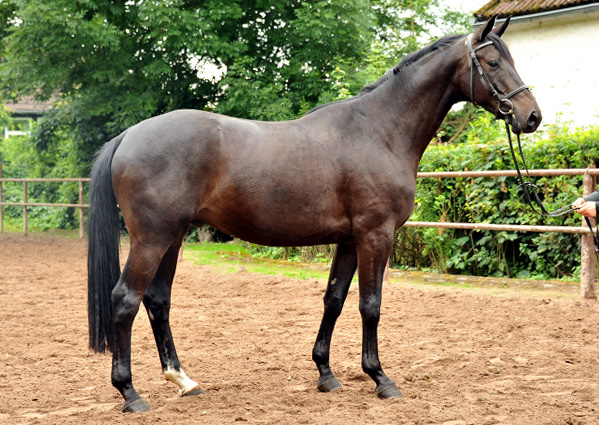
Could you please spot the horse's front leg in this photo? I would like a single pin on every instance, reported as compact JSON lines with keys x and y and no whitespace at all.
{"x":373,"y":254}
{"x":343,"y":268}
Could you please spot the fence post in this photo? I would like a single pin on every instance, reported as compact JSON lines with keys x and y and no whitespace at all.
{"x":25,"y":208}
{"x":387,"y":270}
{"x":1,"y":200}
{"x":81,"y":209}
{"x":587,"y":252}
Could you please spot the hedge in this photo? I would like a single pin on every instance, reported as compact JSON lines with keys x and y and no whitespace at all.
{"x":499,"y":201}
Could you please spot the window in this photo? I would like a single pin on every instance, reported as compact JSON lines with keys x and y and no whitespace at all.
{"x":19,"y":127}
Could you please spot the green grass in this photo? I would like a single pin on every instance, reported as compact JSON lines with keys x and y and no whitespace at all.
{"x":15,"y":226}
{"x":234,"y":257}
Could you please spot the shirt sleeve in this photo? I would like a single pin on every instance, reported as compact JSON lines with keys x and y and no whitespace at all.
{"x":593,"y":196}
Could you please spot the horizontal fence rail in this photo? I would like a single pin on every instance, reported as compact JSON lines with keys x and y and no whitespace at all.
{"x":508,"y":227}
{"x":587,"y":254}
{"x":510,"y":173}
{"x":499,"y":227}
{"x":26,"y":204}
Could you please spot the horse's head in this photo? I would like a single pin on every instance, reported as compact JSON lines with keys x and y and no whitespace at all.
{"x":491,"y":81}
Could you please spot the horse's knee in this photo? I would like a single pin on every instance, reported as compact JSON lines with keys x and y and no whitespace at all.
{"x":370,"y":310}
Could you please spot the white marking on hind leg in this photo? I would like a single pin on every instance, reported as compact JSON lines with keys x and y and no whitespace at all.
{"x":179,"y":377}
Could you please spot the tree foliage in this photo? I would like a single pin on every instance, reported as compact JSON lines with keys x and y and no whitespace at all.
{"x":110,"y":64}
{"x":113,"y":64}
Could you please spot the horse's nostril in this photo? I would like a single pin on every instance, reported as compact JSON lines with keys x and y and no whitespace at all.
{"x":533,"y":119}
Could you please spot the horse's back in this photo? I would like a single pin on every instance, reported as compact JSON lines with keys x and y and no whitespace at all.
{"x":299,"y":182}
{"x":238,"y":175}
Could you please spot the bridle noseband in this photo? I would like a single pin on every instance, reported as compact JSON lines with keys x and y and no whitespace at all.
{"x":505,"y":105}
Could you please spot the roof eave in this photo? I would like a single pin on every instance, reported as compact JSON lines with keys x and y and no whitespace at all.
{"x":27,"y":111}
{"x":549,"y":14}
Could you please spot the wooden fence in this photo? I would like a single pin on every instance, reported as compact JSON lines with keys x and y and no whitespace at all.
{"x":587,"y":279}
{"x":26,"y":204}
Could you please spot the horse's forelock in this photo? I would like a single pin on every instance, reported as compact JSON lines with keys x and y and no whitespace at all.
{"x":500,"y":45}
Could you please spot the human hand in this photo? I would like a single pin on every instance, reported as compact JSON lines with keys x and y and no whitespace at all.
{"x":587,"y":209}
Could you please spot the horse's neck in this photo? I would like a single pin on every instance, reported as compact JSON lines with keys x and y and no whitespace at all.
{"x":414,"y":106}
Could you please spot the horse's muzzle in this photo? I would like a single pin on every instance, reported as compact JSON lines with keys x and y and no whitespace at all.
{"x":525,"y":124}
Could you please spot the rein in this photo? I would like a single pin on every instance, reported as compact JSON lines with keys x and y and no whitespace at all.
{"x":525,"y":185}
{"x":505,"y":107}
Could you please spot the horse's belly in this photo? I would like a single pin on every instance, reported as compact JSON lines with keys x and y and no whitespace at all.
{"x":279,"y":226}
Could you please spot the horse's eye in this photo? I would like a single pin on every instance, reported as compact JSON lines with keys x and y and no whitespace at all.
{"x":493,"y":63}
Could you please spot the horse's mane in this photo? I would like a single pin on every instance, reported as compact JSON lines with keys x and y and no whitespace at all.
{"x":406,"y":61}
{"x":412,"y":58}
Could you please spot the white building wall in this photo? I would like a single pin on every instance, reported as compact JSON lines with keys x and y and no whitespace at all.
{"x":558,"y":57}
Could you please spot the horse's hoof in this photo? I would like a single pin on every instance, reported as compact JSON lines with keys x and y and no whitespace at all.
{"x":137,"y":405}
{"x":195,"y":391}
{"x":390,"y":391}
{"x":329,"y":385}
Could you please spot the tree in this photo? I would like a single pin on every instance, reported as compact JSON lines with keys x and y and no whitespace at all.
{"x":110,"y":64}
{"x":114,"y":63}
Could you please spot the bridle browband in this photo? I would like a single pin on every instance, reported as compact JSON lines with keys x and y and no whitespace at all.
{"x":505,"y":107}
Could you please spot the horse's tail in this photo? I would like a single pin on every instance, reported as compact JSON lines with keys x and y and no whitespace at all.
{"x":103,"y":267}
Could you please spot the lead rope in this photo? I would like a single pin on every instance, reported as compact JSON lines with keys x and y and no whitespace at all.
{"x":525,"y":185}
{"x":506,"y":108}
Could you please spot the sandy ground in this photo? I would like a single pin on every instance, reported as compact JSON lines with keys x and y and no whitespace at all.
{"x":460,"y":355}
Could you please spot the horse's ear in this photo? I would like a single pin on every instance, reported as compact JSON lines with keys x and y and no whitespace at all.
{"x":499,"y":31}
{"x":481,"y":33}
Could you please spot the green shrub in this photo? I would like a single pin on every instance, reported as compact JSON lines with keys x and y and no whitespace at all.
{"x":21,"y":157}
{"x":499,"y":201}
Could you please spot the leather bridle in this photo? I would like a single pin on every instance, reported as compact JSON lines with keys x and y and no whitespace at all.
{"x":505,"y":107}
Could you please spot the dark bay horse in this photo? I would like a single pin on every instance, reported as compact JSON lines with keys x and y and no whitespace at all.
{"x":343,"y":174}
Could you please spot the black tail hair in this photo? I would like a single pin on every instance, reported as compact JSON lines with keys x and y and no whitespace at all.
{"x":103,"y":266}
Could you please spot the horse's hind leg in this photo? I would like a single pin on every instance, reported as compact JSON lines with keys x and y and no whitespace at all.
{"x":138,"y":272}
{"x":157,"y":301}
{"x":342,"y":271}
